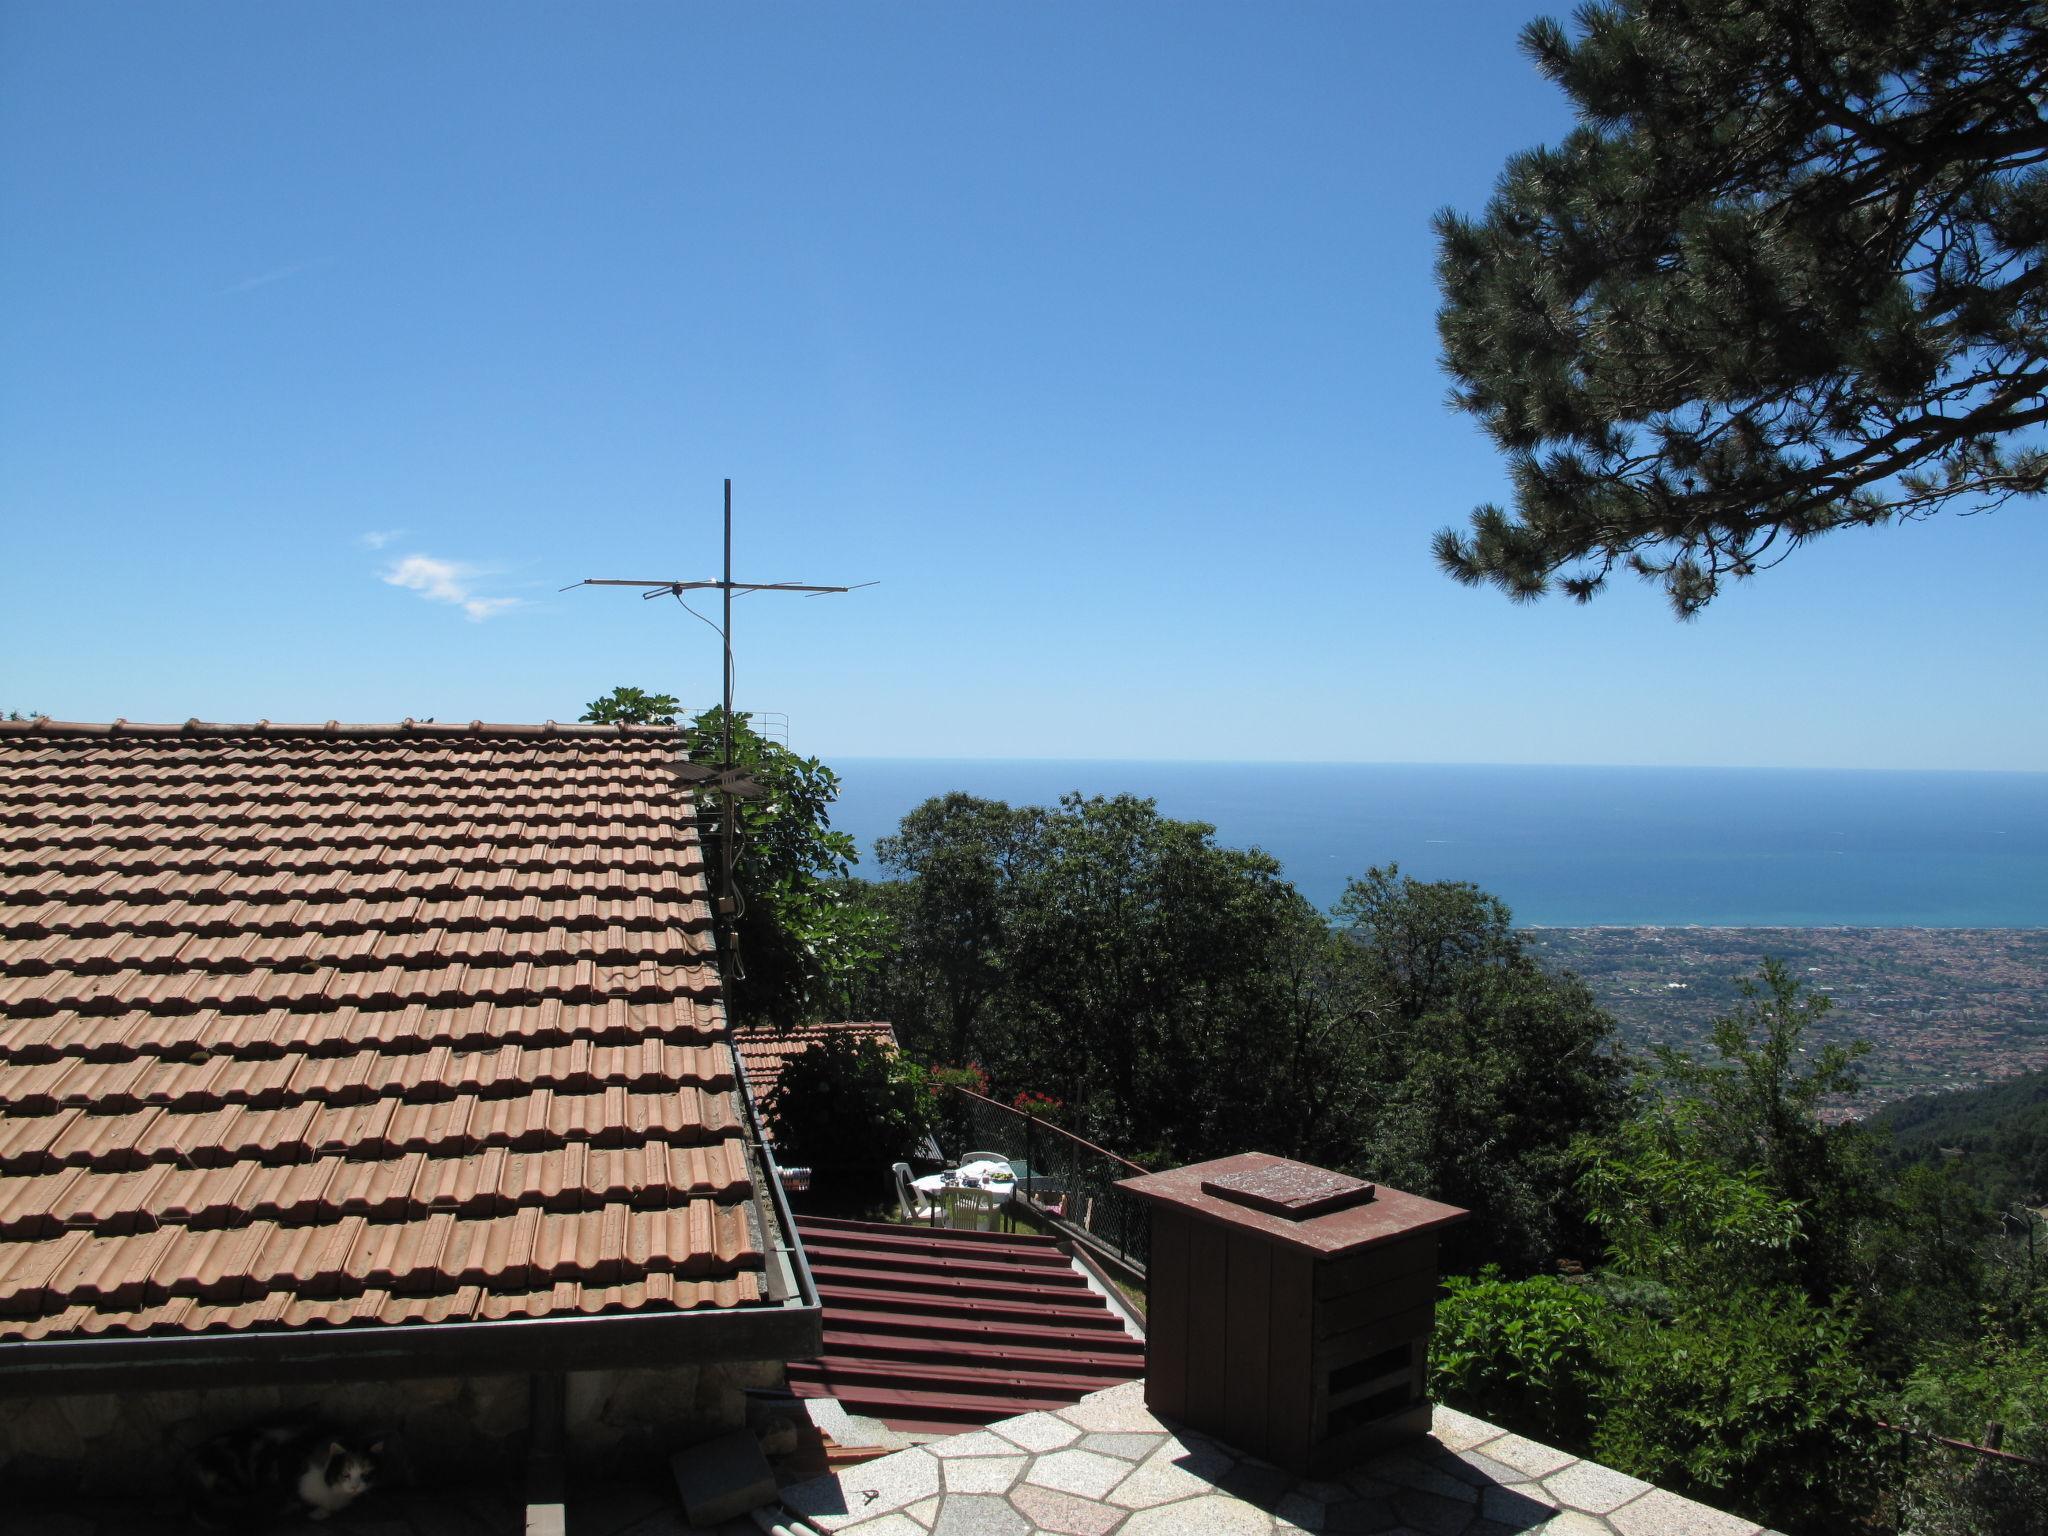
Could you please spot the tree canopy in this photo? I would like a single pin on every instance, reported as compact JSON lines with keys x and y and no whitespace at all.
{"x":796,"y":939}
{"x":632,"y":706}
{"x":1785,"y":277}
{"x":1184,"y":1001}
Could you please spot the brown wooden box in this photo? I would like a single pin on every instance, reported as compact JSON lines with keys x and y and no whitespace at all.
{"x":1289,"y":1308}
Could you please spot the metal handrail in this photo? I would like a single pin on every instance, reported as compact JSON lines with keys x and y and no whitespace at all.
{"x":1048,"y":1126}
{"x":1093,"y":1210}
{"x":1989,"y":1452}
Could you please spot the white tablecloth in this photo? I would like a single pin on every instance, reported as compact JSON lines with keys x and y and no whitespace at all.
{"x":970,"y":1176}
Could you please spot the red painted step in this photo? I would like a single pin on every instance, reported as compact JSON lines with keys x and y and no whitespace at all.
{"x":1084,"y":1334}
{"x":880,"y":1347}
{"x":934,"y":1330}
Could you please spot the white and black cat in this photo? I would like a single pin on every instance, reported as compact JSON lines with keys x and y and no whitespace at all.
{"x":274,"y":1472}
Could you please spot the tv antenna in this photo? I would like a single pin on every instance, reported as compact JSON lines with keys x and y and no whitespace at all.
{"x":730,"y":784}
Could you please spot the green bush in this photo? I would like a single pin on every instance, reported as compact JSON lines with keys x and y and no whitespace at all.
{"x":1999,"y":1378}
{"x":1756,"y":1402}
{"x":847,"y":1108}
{"x":1521,"y":1353}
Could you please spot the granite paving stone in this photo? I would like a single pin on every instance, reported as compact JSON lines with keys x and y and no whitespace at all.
{"x":1571,"y":1522}
{"x":1409,"y":1472}
{"x":878,"y":1487}
{"x":1320,"y":1488}
{"x":1528,"y":1456}
{"x":1074,"y":1471}
{"x":1354,"y":1516}
{"x":1363,"y":1485}
{"x":1517,"y":1504}
{"x":970,"y":1514}
{"x":1198,"y":1454}
{"x":1593,"y":1488}
{"x":982,"y":1474}
{"x":1065,"y":1514}
{"x":1457,"y":1431}
{"x":1433,"y":1513}
{"x":924,"y":1511}
{"x":1491,"y":1471}
{"x":1256,"y":1482}
{"x":1118,"y":1410}
{"x":979,"y":1443}
{"x":898,"y":1524}
{"x":1160,"y":1480}
{"x":1662,"y":1513}
{"x":1037,"y":1431}
{"x":1296,"y":1511}
{"x":1214,"y":1515}
{"x":1131,"y":1447}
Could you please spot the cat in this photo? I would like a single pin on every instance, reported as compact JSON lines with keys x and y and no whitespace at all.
{"x":273,"y":1472}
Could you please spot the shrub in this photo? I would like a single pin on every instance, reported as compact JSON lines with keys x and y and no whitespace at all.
{"x":1958,"y":1391}
{"x":1756,"y":1403}
{"x":1039,"y":1106}
{"x":1521,"y":1353}
{"x":849,"y":1107}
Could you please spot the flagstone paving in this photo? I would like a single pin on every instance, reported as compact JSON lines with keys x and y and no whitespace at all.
{"x":1107,"y":1467}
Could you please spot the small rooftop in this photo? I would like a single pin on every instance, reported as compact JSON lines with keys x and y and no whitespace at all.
{"x":765,"y":1050}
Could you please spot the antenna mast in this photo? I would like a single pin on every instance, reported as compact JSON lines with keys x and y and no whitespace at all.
{"x":730,"y":784}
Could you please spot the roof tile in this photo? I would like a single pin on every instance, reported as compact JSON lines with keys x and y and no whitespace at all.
{"x":304,"y":1026}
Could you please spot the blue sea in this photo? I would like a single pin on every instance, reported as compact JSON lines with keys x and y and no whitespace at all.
{"x":1575,"y":847}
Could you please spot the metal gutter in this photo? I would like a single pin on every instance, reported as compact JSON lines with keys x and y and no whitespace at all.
{"x":509,"y":1346}
{"x":789,"y":1245}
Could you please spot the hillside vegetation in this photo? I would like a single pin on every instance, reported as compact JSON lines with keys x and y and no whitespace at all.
{"x":1995,"y":1138}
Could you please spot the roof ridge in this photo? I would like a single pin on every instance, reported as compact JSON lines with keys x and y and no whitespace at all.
{"x":43,"y":725}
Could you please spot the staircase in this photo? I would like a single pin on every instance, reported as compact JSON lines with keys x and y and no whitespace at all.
{"x":931,"y":1330}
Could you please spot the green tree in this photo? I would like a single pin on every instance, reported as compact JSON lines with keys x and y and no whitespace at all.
{"x":1486,"y":1067}
{"x":959,"y":855}
{"x":1784,"y":277}
{"x":632,"y":706}
{"x":1135,"y":951}
{"x":803,"y":937}
{"x":1178,"y":997}
{"x":1757,"y":1106}
{"x":1998,"y":1377}
{"x":1670,"y":1210}
{"x":847,"y":1108}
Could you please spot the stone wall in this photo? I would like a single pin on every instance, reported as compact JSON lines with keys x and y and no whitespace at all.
{"x":142,"y":1442}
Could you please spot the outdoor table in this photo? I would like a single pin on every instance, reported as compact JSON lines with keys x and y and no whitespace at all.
{"x":981,"y":1175}
{"x":994,"y":1178}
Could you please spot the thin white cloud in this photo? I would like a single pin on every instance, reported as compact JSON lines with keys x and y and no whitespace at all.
{"x":378,"y":538}
{"x":276,"y":275}
{"x":446,"y":581}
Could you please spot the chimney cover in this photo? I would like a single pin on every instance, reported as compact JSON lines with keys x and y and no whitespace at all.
{"x":1296,"y":1191}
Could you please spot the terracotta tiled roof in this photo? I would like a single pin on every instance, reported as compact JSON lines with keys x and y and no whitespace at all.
{"x":764,"y":1052}
{"x":343,"y":1024}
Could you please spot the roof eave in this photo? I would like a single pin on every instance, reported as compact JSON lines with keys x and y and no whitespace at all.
{"x":791,"y":1330}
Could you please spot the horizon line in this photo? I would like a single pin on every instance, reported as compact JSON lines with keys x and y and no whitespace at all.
{"x":1352,"y":762}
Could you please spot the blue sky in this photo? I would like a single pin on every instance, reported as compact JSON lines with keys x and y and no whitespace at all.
{"x":1100,"y":335}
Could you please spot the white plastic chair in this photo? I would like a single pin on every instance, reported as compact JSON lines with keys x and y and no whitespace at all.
{"x":913,"y":1205}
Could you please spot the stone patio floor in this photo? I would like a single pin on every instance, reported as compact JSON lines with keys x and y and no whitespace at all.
{"x":1106,"y":1467}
